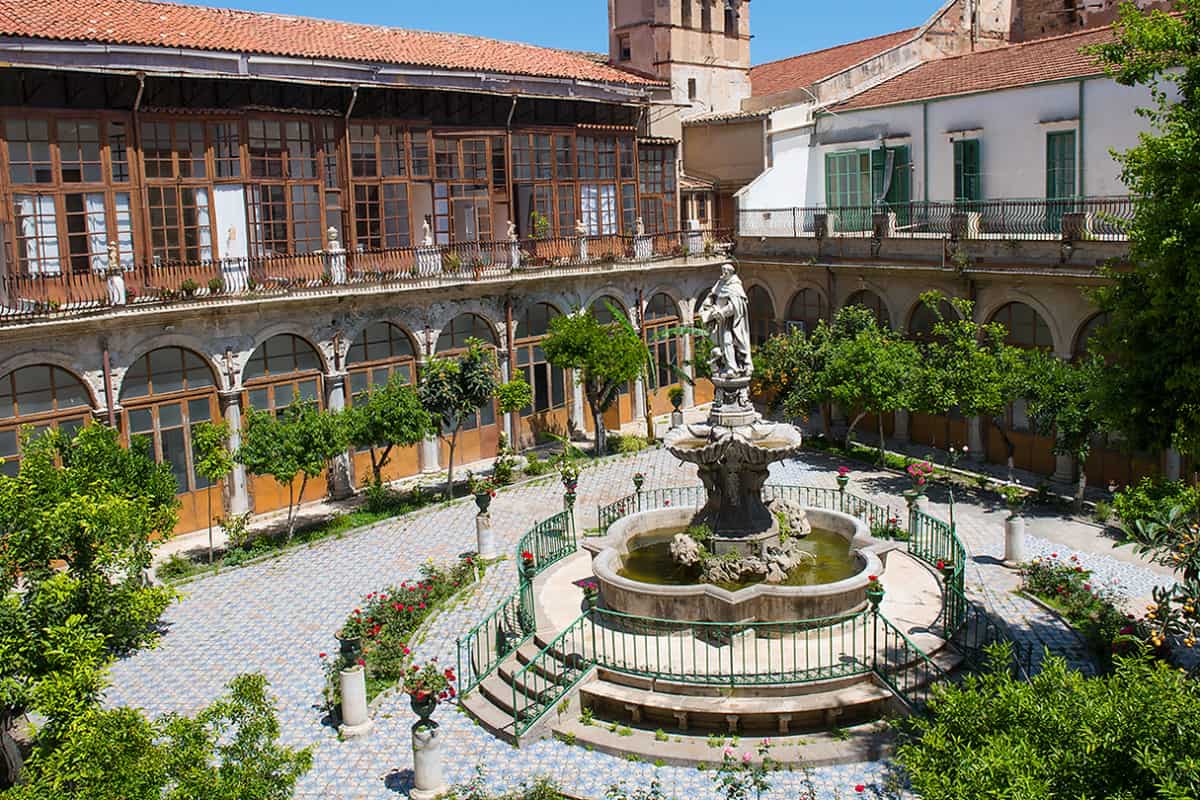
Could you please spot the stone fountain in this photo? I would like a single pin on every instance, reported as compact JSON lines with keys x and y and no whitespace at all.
{"x":734,"y":448}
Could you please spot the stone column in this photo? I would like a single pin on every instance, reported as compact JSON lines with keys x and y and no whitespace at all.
{"x":428,"y":781}
{"x":579,"y":407}
{"x":975,"y":450}
{"x":356,"y":715}
{"x":1064,"y":468}
{"x":508,"y":423}
{"x":1173,"y":468}
{"x":640,"y":400}
{"x":689,"y":387}
{"x":485,"y":537}
{"x":231,"y":410}
{"x":428,"y":451}
{"x":341,"y":479}
{"x":900,"y":432}
{"x":335,"y":259}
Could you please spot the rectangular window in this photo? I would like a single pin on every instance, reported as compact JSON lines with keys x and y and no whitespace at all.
{"x":731,"y":18}
{"x":446,"y":159}
{"x":265,"y":145}
{"x":706,"y":16}
{"x":685,"y":14}
{"x":420,"y":153}
{"x":381,"y":216}
{"x":36,"y":227}
{"x":79,"y":151}
{"x":623,"y":50}
{"x":227,"y":149}
{"x":29,"y":151}
{"x":86,"y":224}
{"x":564,"y":158}
{"x":848,"y":179}
{"x":692,"y":92}
{"x":118,"y":151}
{"x":656,"y":176}
{"x":180,"y":229}
{"x":967,"y":184}
{"x":598,"y":209}
{"x":363,"y":158}
{"x":499,"y":165}
{"x":392,"y":161}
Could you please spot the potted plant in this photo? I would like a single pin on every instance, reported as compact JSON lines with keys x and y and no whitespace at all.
{"x":591,"y":592}
{"x":843,"y":478}
{"x":188,"y":288}
{"x":1014,"y":525}
{"x":350,"y":636}
{"x":425,"y":685}
{"x":215,"y":286}
{"x":919,"y":473}
{"x":568,"y":473}
{"x":946,"y":568}
{"x":675,"y":395}
{"x":528,"y":564}
{"x":638,"y":481}
{"x":874,"y":591}
{"x":484,"y":490}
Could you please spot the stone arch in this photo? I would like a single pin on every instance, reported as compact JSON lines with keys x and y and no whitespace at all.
{"x":288,"y":330}
{"x":53,"y":358}
{"x":600,"y":311}
{"x":213,"y":372}
{"x":762,"y":313}
{"x":870,"y":298}
{"x":1026,"y":326}
{"x":1037,"y":305}
{"x":1085,"y":332}
{"x":521,"y":331}
{"x":801,"y":308}
{"x":458,"y":334}
{"x":920,"y":319}
{"x":671,"y":302}
{"x":352,"y":342}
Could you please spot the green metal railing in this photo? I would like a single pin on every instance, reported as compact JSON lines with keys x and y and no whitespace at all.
{"x":902,"y":665}
{"x":501,"y":632}
{"x":549,"y":541}
{"x":549,"y":676}
{"x":694,"y":496}
{"x":647,"y":499}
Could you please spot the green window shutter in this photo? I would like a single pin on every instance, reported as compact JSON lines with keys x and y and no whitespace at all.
{"x":900,"y":190}
{"x":1060,"y":165}
{"x":967,"y":183}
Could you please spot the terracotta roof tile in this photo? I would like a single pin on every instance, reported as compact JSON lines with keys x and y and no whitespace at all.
{"x":805,"y":70}
{"x":140,"y":22}
{"x":1055,"y":58}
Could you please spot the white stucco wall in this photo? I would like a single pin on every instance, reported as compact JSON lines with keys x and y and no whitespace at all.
{"x":1011,"y":126}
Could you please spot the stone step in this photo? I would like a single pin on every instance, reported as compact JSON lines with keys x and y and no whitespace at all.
{"x":494,"y":720}
{"x":853,"y":744}
{"x":767,"y":715}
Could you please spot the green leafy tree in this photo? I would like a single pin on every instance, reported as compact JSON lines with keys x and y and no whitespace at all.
{"x":214,"y":462}
{"x":603,"y":358}
{"x":967,"y":366}
{"x":868,"y":369}
{"x":1062,"y":402}
{"x":1151,"y":340}
{"x":1124,"y":736}
{"x":453,"y":390}
{"x":513,"y":396}
{"x":387,"y":417}
{"x":76,"y":530}
{"x":230,"y":751}
{"x":299,"y":442}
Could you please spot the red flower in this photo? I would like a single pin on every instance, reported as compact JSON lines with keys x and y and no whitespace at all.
{"x":362,"y":662}
{"x":666,"y":502}
{"x":526,"y":555}
{"x":322,"y":655}
{"x":941,"y":564}
{"x":872,"y":577}
{"x":860,"y":788}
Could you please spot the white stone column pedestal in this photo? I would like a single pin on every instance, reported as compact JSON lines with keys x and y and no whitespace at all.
{"x":1014,"y":541}
{"x":485,"y":537}
{"x":975,"y":450}
{"x":428,"y":781}
{"x":356,"y":718}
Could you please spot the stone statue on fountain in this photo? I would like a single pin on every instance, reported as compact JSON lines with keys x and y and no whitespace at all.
{"x":734,"y":448}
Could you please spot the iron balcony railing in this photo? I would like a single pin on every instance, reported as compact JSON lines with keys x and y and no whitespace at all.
{"x":1074,"y":219}
{"x":66,"y":292}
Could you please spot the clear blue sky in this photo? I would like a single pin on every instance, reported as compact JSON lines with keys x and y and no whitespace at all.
{"x":781,"y":28}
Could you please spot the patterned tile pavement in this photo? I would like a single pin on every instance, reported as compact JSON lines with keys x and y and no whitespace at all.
{"x":276,"y":616}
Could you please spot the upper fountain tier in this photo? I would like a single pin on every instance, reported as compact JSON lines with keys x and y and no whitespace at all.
{"x":735,"y":447}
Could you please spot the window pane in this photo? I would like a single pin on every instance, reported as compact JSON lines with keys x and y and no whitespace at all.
{"x":174,"y":453}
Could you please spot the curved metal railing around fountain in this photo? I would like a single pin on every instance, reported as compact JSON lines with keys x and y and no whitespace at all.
{"x":694,"y":496}
{"x":555,"y":670}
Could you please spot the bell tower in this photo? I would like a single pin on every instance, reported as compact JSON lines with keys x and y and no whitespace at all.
{"x":701,"y":47}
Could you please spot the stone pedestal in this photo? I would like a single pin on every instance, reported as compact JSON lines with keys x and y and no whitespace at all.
{"x":1014,"y":540}
{"x":428,"y":781}
{"x":643,"y":249}
{"x":1064,"y":468}
{"x":485,"y":537}
{"x":1173,"y":467}
{"x":356,"y":718}
{"x":235,"y":485}
{"x":974,"y":438}
{"x":582,"y":249}
{"x":514,"y":255}
{"x":116,"y":289}
{"x":676,"y":419}
{"x":694,"y":238}
{"x":900,"y":431}
{"x":430,"y":454}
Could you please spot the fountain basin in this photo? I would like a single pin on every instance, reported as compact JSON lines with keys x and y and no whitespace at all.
{"x":704,"y":602}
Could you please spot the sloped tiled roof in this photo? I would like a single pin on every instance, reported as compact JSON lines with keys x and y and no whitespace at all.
{"x":1055,"y":58}
{"x":140,"y":22}
{"x":805,"y":70}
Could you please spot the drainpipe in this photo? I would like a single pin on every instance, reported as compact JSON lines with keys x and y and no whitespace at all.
{"x":108,"y":391}
{"x":1082,"y":186}
{"x":350,"y":107}
{"x":509,"y":186}
{"x":925,"y":149}
{"x":135,"y":168}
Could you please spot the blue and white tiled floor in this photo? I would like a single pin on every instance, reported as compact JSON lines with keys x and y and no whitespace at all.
{"x":277,"y":616}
